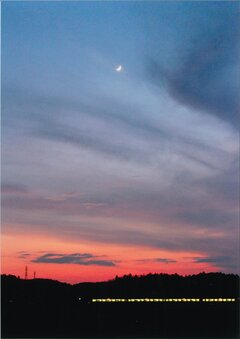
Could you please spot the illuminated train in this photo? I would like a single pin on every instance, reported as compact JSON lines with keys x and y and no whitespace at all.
{"x":155,"y":300}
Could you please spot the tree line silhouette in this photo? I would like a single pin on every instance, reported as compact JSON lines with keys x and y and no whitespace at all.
{"x":45,"y":308}
{"x":150,"y":285}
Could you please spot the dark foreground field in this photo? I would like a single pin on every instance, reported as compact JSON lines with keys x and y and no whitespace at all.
{"x":49,"y":309}
{"x":122,"y":320}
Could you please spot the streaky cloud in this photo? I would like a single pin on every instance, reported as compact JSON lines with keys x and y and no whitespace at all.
{"x":220,"y":261}
{"x":84,"y":259}
{"x":13,"y":188}
{"x":206,"y":74}
{"x":157,"y":260}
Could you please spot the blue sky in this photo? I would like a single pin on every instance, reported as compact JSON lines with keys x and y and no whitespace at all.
{"x":147,"y":157}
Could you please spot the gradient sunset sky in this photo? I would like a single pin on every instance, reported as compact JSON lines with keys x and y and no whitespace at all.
{"x":108,"y":173}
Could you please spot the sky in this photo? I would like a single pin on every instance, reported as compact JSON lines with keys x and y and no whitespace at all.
{"x":107,"y":173}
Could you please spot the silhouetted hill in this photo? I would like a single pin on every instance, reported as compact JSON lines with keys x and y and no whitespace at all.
{"x":165,"y":285}
{"x":152,"y":285}
{"x":44,"y":308}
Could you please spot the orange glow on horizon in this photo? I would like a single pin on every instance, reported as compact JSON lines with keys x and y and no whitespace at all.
{"x":129,"y":259}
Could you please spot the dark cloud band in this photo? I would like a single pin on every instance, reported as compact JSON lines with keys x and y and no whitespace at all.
{"x":75,"y":258}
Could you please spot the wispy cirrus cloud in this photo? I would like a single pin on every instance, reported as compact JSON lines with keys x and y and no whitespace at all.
{"x":197,"y":208}
{"x":122,"y":130}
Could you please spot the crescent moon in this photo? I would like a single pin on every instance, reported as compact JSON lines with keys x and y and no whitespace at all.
{"x":118,"y":68}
